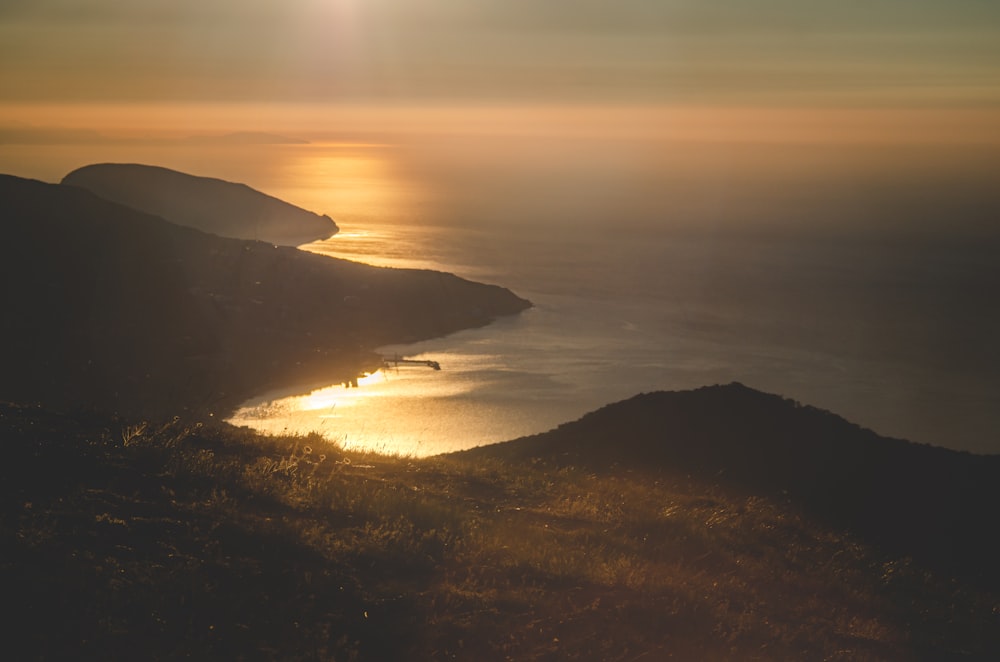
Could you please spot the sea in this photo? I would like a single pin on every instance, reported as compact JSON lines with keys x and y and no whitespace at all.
{"x":860,"y":278}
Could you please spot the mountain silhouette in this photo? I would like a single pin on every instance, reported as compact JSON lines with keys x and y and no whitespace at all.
{"x":111,"y":309}
{"x":211,"y":205}
{"x":932,"y":503}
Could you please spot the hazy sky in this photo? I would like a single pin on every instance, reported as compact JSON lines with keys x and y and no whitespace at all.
{"x":768,"y":52}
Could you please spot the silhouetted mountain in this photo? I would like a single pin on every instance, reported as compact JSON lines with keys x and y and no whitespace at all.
{"x":938,"y":505}
{"x":109,"y":308}
{"x":205,"y":203}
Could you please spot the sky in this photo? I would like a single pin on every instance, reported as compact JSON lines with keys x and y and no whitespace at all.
{"x":871,"y":72}
{"x":885,"y":53}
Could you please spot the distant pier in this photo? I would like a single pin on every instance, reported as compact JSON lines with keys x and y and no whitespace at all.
{"x":396,"y":360}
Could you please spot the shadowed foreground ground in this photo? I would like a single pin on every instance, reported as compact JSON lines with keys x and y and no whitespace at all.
{"x":124,"y":540}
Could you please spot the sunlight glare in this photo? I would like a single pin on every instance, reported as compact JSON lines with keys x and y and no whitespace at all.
{"x":347,"y":182}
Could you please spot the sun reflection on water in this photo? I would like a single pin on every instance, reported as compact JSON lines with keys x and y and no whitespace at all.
{"x":349,"y":182}
{"x":387,"y":410}
{"x":339,"y":396}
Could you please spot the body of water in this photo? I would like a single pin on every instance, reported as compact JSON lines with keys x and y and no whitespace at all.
{"x":857,"y":279}
{"x":880,"y":342}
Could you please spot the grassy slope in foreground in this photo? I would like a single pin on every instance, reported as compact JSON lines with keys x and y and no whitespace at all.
{"x":112,"y":309}
{"x":211,"y":205}
{"x":142,"y":541}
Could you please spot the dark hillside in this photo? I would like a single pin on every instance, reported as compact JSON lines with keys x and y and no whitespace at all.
{"x":211,"y":205}
{"x":936,"y":504}
{"x":109,"y":308}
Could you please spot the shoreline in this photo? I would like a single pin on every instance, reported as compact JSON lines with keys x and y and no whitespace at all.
{"x":328,"y":372}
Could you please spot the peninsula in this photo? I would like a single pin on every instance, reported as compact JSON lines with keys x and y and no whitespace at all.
{"x":212,"y":205}
{"x":112,"y":309}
